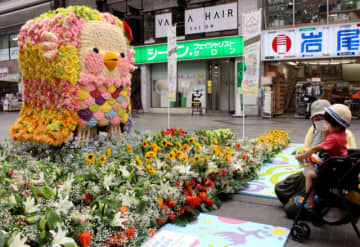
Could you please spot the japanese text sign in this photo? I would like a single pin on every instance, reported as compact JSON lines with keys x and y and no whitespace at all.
{"x":312,"y":42}
{"x":194,"y":49}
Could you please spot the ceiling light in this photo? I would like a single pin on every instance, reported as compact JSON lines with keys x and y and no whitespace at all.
{"x":292,"y":63}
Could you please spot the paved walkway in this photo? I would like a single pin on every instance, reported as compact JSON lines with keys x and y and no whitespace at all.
{"x":267,"y":211}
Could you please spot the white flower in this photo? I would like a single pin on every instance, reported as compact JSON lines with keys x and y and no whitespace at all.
{"x":108,"y":181}
{"x":66,"y":187}
{"x":12,"y":199}
{"x":118,"y":220}
{"x":59,"y":238}
{"x":18,"y":241}
{"x":63,"y":205}
{"x":40,"y":180}
{"x":30,"y":206}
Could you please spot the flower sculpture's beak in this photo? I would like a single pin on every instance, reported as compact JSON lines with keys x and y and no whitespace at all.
{"x":111,"y":60}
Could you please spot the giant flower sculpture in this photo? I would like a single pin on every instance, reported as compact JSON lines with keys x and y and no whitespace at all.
{"x":76,"y":65}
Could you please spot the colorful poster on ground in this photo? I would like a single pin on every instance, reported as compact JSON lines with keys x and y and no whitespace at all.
{"x":273,"y":171}
{"x":215,"y":231}
{"x":172,"y":64}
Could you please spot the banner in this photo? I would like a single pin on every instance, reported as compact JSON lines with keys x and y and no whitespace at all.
{"x":251,"y":29}
{"x":328,"y":41}
{"x":172,"y":64}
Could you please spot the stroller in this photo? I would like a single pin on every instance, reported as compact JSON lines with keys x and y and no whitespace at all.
{"x":337,"y":177}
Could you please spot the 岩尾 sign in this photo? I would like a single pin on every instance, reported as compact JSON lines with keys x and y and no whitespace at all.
{"x":211,"y":19}
{"x":312,"y":42}
{"x":162,"y":23}
{"x":194,"y":49}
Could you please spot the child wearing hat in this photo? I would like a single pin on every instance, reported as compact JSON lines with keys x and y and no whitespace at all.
{"x":338,"y":117}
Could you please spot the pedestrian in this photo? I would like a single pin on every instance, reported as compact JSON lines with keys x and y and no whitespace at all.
{"x":287,"y":189}
{"x":338,"y":117}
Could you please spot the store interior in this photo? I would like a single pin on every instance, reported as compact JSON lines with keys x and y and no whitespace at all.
{"x":298,"y":83}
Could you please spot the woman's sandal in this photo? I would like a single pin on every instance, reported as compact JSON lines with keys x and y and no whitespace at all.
{"x":299,"y":200}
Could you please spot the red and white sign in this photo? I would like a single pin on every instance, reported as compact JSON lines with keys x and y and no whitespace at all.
{"x":281,"y":44}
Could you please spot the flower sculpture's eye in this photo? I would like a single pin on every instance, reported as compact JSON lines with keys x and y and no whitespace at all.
{"x":122,"y":54}
{"x":96,"y":50}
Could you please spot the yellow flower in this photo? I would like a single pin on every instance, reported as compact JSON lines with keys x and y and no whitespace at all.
{"x":178,"y":154}
{"x":191,"y":140}
{"x":196,"y":159}
{"x":164,"y":143}
{"x":228,"y":159}
{"x":179,"y":144}
{"x":90,"y":157}
{"x":215,"y":141}
{"x":108,"y":152}
{"x":171,"y":155}
{"x":145,"y":143}
{"x":150,"y":169}
{"x":155,"y":147}
{"x":148,"y":157}
{"x":216,"y":149}
{"x":198,"y":145}
{"x":170,"y":144}
{"x":128,"y":148}
{"x":185,"y":148}
{"x":185,"y":158}
{"x":160,"y":201}
{"x":207,"y":160}
{"x":102,"y":159}
{"x":138,"y":161}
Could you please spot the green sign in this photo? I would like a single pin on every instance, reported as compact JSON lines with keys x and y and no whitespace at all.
{"x":241,"y":69}
{"x":194,"y":49}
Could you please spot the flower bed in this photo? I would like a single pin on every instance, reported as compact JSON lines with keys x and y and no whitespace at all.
{"x":118,"y":194}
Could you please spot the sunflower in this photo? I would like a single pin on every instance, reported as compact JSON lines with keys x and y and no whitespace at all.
{"x":129,"y":148}
{"x":185,"y":148}
{"x":185,"y":158}
{"x":150,"y":169}
{"x":215,"y":141}
{"x":191,"y":140}
{"x":171,"y":155}
{"x":148,"y":157}
{"x":216,"y":149}
{"x":198,"y":145}
{"x":145,"y":143}
{"x":178,"y":154}
{"x":155,"y":147}
{"x":196,"y":158}
{"x":179,"y":144}
{"x":102,"y":159}
{"x":90,"y":157}
{"x":138,"y":161}
{"x":164,"y":143}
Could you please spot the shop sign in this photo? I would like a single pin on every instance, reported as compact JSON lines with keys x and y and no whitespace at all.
{"x":342,"y":40}
{"x":162,"y":23}
{"x":172,"y":64}
{"x":190,"y":50}
{"x":211,"y":19}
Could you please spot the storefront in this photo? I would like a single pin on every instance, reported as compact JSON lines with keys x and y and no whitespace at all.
{"x":206,"y":65}
{"x":308,"y":63}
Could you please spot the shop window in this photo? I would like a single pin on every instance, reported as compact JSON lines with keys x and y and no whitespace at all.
{"x":191,"y":77}
{"x":343,"y":10}
{"x":4,"y":48}
{"x":13,"y":46}
{"x":310,"y":11}
{"x":278,"y":12}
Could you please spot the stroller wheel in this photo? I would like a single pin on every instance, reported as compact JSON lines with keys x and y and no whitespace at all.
{"x":306,"y":229}
{"x":300,"y":232}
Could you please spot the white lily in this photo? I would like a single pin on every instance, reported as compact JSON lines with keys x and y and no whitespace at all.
{"x":118,"y":220}
{"x":64,"y":205}
{"x":30,"y":206}
{"x":59,"y":238}
{"x":108,"y":181}
{"x":40,"y":180}
{"x":66,"y":187}
{"x":18,"y":241}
